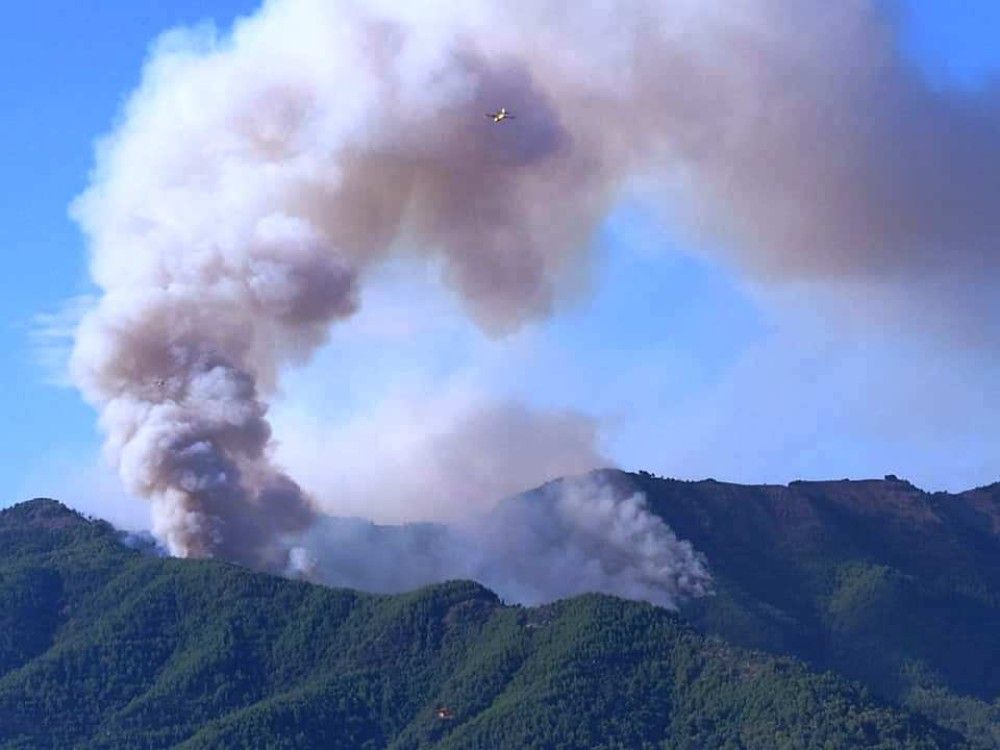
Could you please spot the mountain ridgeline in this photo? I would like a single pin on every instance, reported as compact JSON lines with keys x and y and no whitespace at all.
{"x":846,"y":614}
{"x":876,"y":580}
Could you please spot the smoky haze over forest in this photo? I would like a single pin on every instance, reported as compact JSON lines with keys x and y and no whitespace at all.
{"x":257,"y":180}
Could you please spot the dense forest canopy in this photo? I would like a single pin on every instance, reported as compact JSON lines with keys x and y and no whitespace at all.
{"x":104,"y":646}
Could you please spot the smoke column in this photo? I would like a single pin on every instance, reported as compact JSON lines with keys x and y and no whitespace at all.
{"x":255,"y":179}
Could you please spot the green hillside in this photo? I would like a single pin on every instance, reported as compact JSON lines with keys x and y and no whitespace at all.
{"x":103,"y":647}
{"x":876,"y":580}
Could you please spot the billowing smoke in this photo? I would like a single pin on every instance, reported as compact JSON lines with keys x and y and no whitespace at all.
{"x":251,"y":184}
{"x":567,"y":538}
{"x":441,"y":458}
{"x":256,"y":179}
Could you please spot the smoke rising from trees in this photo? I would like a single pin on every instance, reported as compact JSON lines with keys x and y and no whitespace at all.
{"x":255,"y":180}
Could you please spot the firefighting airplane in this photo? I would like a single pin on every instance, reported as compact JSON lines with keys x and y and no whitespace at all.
{"x":501,"y":115}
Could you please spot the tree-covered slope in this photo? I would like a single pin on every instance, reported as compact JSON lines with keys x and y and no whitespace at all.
{"x":876,"y":580}
{"x":103,"y":647}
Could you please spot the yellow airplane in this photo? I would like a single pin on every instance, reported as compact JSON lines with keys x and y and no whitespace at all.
{"x":501,"y":115}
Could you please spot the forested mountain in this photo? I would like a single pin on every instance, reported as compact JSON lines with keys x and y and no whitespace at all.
{"x":102,"y":646}
{"x":877,"y":580}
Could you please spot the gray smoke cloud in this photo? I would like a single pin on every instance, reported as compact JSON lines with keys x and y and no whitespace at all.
{"x":441,"y":458}
{"x":256,"y":179}
{"x":567,"y":538}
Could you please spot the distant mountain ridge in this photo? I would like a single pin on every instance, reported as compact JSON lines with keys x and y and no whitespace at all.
{"x":874,"y":579}
{"x":102,"y":646}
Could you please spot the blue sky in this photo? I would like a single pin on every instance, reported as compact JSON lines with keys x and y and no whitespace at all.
{"x":685,"y":364}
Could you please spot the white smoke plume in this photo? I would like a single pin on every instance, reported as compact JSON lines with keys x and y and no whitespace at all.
{"x":256,"y":178}
{"x":567,"y":538}
{"x":434,"y":458}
